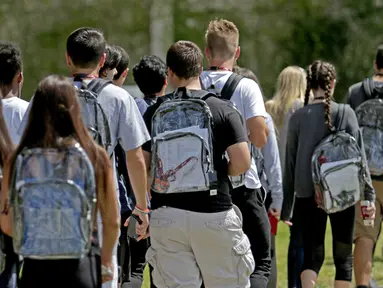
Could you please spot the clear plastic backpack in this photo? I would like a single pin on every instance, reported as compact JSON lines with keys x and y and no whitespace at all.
{"x":370,"y":119}
{"x":182,"y":151}
{"x":54,"y":200}
{"x":337,"y":169}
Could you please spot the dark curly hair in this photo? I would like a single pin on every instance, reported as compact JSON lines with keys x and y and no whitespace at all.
{"x":10,"y":62}
{"x":150,"y":74}
{"x":320,"y":74}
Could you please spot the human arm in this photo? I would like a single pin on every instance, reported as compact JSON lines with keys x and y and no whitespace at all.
{"x":254,"y":112}
{"x":148,"y":157}
{"x":272,"y":168}
{"x":239,"y":156}
{"x":289,"y":170}
{"x":6,"y":218}
{"x":132,"y":135}
{"x":107,"y":203}
{"x":236,"y":142}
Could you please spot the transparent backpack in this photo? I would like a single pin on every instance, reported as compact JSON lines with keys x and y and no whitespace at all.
{"x":54,"y":200}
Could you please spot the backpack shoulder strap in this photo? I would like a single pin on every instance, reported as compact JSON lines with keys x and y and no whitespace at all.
{"x":96,"y":85}
{"x":202,"y":94}
{"x":340,"y":117}
{"x":230,"y":86}
{"x":368,"y":88}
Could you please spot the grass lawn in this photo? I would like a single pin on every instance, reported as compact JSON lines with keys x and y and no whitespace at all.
{"x":326,"y":276}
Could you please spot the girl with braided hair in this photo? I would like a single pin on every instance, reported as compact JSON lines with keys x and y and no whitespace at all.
{"x":307,"y":127}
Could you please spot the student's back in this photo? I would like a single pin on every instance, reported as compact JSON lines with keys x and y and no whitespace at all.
{"x":309,"y":127}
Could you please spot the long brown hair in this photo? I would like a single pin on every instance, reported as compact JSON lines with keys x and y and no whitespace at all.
{"x":55,"y":115}
{"x":320,"y":74}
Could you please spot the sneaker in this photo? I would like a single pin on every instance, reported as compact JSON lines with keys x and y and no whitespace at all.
{"x":373,"y":283}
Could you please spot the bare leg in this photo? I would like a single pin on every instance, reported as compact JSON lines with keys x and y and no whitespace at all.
{"x":363,"y":260}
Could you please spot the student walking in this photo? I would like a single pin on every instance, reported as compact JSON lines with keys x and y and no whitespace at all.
{"x":195,"y":232}
{"x":366,"y":99}
{"x":288,"y":98}
{"x":325,"y":122}
{"x":47,"y":228}
{"x":222,"y":51}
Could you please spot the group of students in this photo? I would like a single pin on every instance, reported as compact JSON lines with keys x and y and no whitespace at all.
{"x":85,"y":165}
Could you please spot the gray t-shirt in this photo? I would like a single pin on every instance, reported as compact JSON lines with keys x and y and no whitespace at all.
{"x":306,"y":129}
{"x":126,"y":124}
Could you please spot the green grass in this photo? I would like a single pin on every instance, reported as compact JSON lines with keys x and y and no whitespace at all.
{"x":327,"y":274}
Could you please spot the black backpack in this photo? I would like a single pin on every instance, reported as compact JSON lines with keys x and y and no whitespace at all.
{"x":92,"y":113}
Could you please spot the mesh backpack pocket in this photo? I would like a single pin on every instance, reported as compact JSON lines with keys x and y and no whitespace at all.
{"x":54,"y":200}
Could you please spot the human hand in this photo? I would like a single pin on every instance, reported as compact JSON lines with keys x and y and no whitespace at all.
{"x":275,"y":212}
{"x":107,"y":270}
{"x":370,"y":211}
{"x":141,"y":229}
{"x":288,"y":223}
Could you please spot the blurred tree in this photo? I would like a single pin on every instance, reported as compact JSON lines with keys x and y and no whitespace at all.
{"x":273,"y":33}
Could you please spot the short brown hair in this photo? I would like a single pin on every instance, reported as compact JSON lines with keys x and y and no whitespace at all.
{"x":185,"y":59}
{"x":222,"y":39}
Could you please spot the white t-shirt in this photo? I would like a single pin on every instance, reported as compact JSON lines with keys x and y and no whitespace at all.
{"x":248,"y":99}
{"x":13,"y":110}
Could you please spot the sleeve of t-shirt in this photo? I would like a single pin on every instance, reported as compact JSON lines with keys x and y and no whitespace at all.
{"x":253,"y":104}
{"x":142,"y":106}
{"x":132,"y":132}
{"x":233,"y":131}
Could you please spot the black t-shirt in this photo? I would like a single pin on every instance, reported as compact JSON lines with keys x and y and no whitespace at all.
{"x":228,"y":129}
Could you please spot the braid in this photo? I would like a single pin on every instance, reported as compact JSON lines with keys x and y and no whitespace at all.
{"x":327,"y":94}
{"x":308,"y":87}
{"x":321,"y":76}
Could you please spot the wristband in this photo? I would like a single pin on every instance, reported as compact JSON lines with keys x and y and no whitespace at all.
{"x":105,"y":271}
{"x":146,"y":211}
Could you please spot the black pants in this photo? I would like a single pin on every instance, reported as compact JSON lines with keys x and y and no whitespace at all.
{"x":256,"y":226}
{"x":295,"y":256}
{"x":81,"y":273}
{"x":131,"y":258}
{"x":313,"y":224}
{"x":9,"y":277}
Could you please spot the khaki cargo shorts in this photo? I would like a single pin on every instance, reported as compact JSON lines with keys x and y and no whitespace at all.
{"x":366,"y":231}
{"x":187,"y":247}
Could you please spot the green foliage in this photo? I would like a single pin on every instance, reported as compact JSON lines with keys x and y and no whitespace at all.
{"x":273,"y":33}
